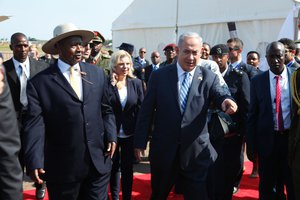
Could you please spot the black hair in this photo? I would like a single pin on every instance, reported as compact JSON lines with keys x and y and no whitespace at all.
{"x":13,"y":38}
{"x":288,"y":42}
{"x":255,"y":53}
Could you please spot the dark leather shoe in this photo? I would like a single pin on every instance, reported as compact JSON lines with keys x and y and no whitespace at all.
{"x":235,"y":190}
{"x":40,"y":191}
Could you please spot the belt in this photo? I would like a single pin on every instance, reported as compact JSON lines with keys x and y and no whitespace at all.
{"x":284,"y":132}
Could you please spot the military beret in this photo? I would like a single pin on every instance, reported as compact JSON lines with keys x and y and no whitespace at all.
{"x":219,"y":49}
{"x":170,"y":46}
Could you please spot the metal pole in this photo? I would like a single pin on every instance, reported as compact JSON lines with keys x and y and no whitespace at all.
{"x":176,"y":25}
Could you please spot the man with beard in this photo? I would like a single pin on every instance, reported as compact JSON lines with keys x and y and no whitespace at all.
{"x":290,"y":50}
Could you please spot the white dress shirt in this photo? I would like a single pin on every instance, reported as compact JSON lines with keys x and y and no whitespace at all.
{"x":25,"y":65}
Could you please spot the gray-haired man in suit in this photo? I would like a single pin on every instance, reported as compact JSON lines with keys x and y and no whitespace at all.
{"x":180,"y":94}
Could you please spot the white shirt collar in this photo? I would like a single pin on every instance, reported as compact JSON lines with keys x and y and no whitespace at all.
{"x":26,"y":64}
{"x":225,"y":71}
{"x":235,"y":64}
{"x":283,"y":74}
{"x":155,"y":65}
{"x":64,"y":67}
{"x":180,"y":71}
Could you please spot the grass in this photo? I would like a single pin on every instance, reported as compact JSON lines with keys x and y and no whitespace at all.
{"x":4,"y":47}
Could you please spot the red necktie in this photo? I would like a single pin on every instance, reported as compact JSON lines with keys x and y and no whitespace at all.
{"x":278,"y":105}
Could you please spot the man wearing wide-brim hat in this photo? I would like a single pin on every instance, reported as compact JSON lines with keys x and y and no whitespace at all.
{"x":70,"y":133}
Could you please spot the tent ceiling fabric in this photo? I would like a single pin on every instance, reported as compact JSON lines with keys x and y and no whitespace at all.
{"x":157,"y":13}
{"x":151,"y":24}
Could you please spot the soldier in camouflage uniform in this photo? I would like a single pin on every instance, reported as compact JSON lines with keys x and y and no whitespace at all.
{"x":98,"y":56}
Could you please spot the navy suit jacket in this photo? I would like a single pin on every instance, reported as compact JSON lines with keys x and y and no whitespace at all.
{"x":148,"y":71}
{"x":127,"y":117}
{"x":63,"y":134}
{"x":239,"y":86}
{"x":175,"y":134}
{"x":260,"y":133}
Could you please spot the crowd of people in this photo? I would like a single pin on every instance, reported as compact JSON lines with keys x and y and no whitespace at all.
{"x":78,"y":118}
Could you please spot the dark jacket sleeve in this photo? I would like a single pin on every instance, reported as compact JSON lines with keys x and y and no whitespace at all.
{"x":243,"y":102}
{"x":107,"y":113}
{"x":10,"y":170}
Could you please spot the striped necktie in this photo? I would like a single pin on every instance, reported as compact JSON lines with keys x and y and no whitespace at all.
{"x":184,"y":91}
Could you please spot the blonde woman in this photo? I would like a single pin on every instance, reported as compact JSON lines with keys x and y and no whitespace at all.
{"x":127,"y":96}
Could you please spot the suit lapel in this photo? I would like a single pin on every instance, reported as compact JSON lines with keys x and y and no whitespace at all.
{"x":33,"y":68}
{"x":173,"y":80}
{"x":266,"y":90}
{"x":129,"y":92}
{"x":87,"y":83}
{"x":59,"y":78}
{"x":289,"y":74}
{"x":11,"y":71}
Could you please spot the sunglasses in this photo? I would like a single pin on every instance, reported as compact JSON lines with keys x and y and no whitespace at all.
{"x":233,"y":49}
{"x":90,"y":45}
{"x":143,"y":52}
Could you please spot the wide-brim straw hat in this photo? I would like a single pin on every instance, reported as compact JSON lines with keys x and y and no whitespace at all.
{"x":63,"y":31}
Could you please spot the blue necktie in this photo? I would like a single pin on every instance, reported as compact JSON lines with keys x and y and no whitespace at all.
{"x":23,"y":83}
{"x":184,"y":91}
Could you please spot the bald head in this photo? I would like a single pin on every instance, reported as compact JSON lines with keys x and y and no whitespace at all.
{"x":155,"y":57}
{"x":275,"y":57}
{"x":275,"y":46}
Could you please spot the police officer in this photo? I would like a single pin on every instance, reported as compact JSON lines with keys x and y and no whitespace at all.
{"x":229,"y":145}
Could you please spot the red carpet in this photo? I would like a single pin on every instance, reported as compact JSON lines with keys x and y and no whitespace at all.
{"x":141,"y":188}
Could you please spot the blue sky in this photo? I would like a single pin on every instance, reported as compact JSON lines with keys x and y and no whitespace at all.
{"x":38,"y":18}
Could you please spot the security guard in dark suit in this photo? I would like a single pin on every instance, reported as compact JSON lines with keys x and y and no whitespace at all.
{"x":228,"y":143}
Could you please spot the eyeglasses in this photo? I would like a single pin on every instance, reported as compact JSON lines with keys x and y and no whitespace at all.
{"x":95,"y":43}
{"x":154,"y":56}
{"x":233,"y":49}
{"x":288,"y":50}
{"x":143,"y":52}
{"x":89,"y":45}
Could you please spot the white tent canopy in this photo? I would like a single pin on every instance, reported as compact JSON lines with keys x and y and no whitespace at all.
{"x":152,"y":24}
